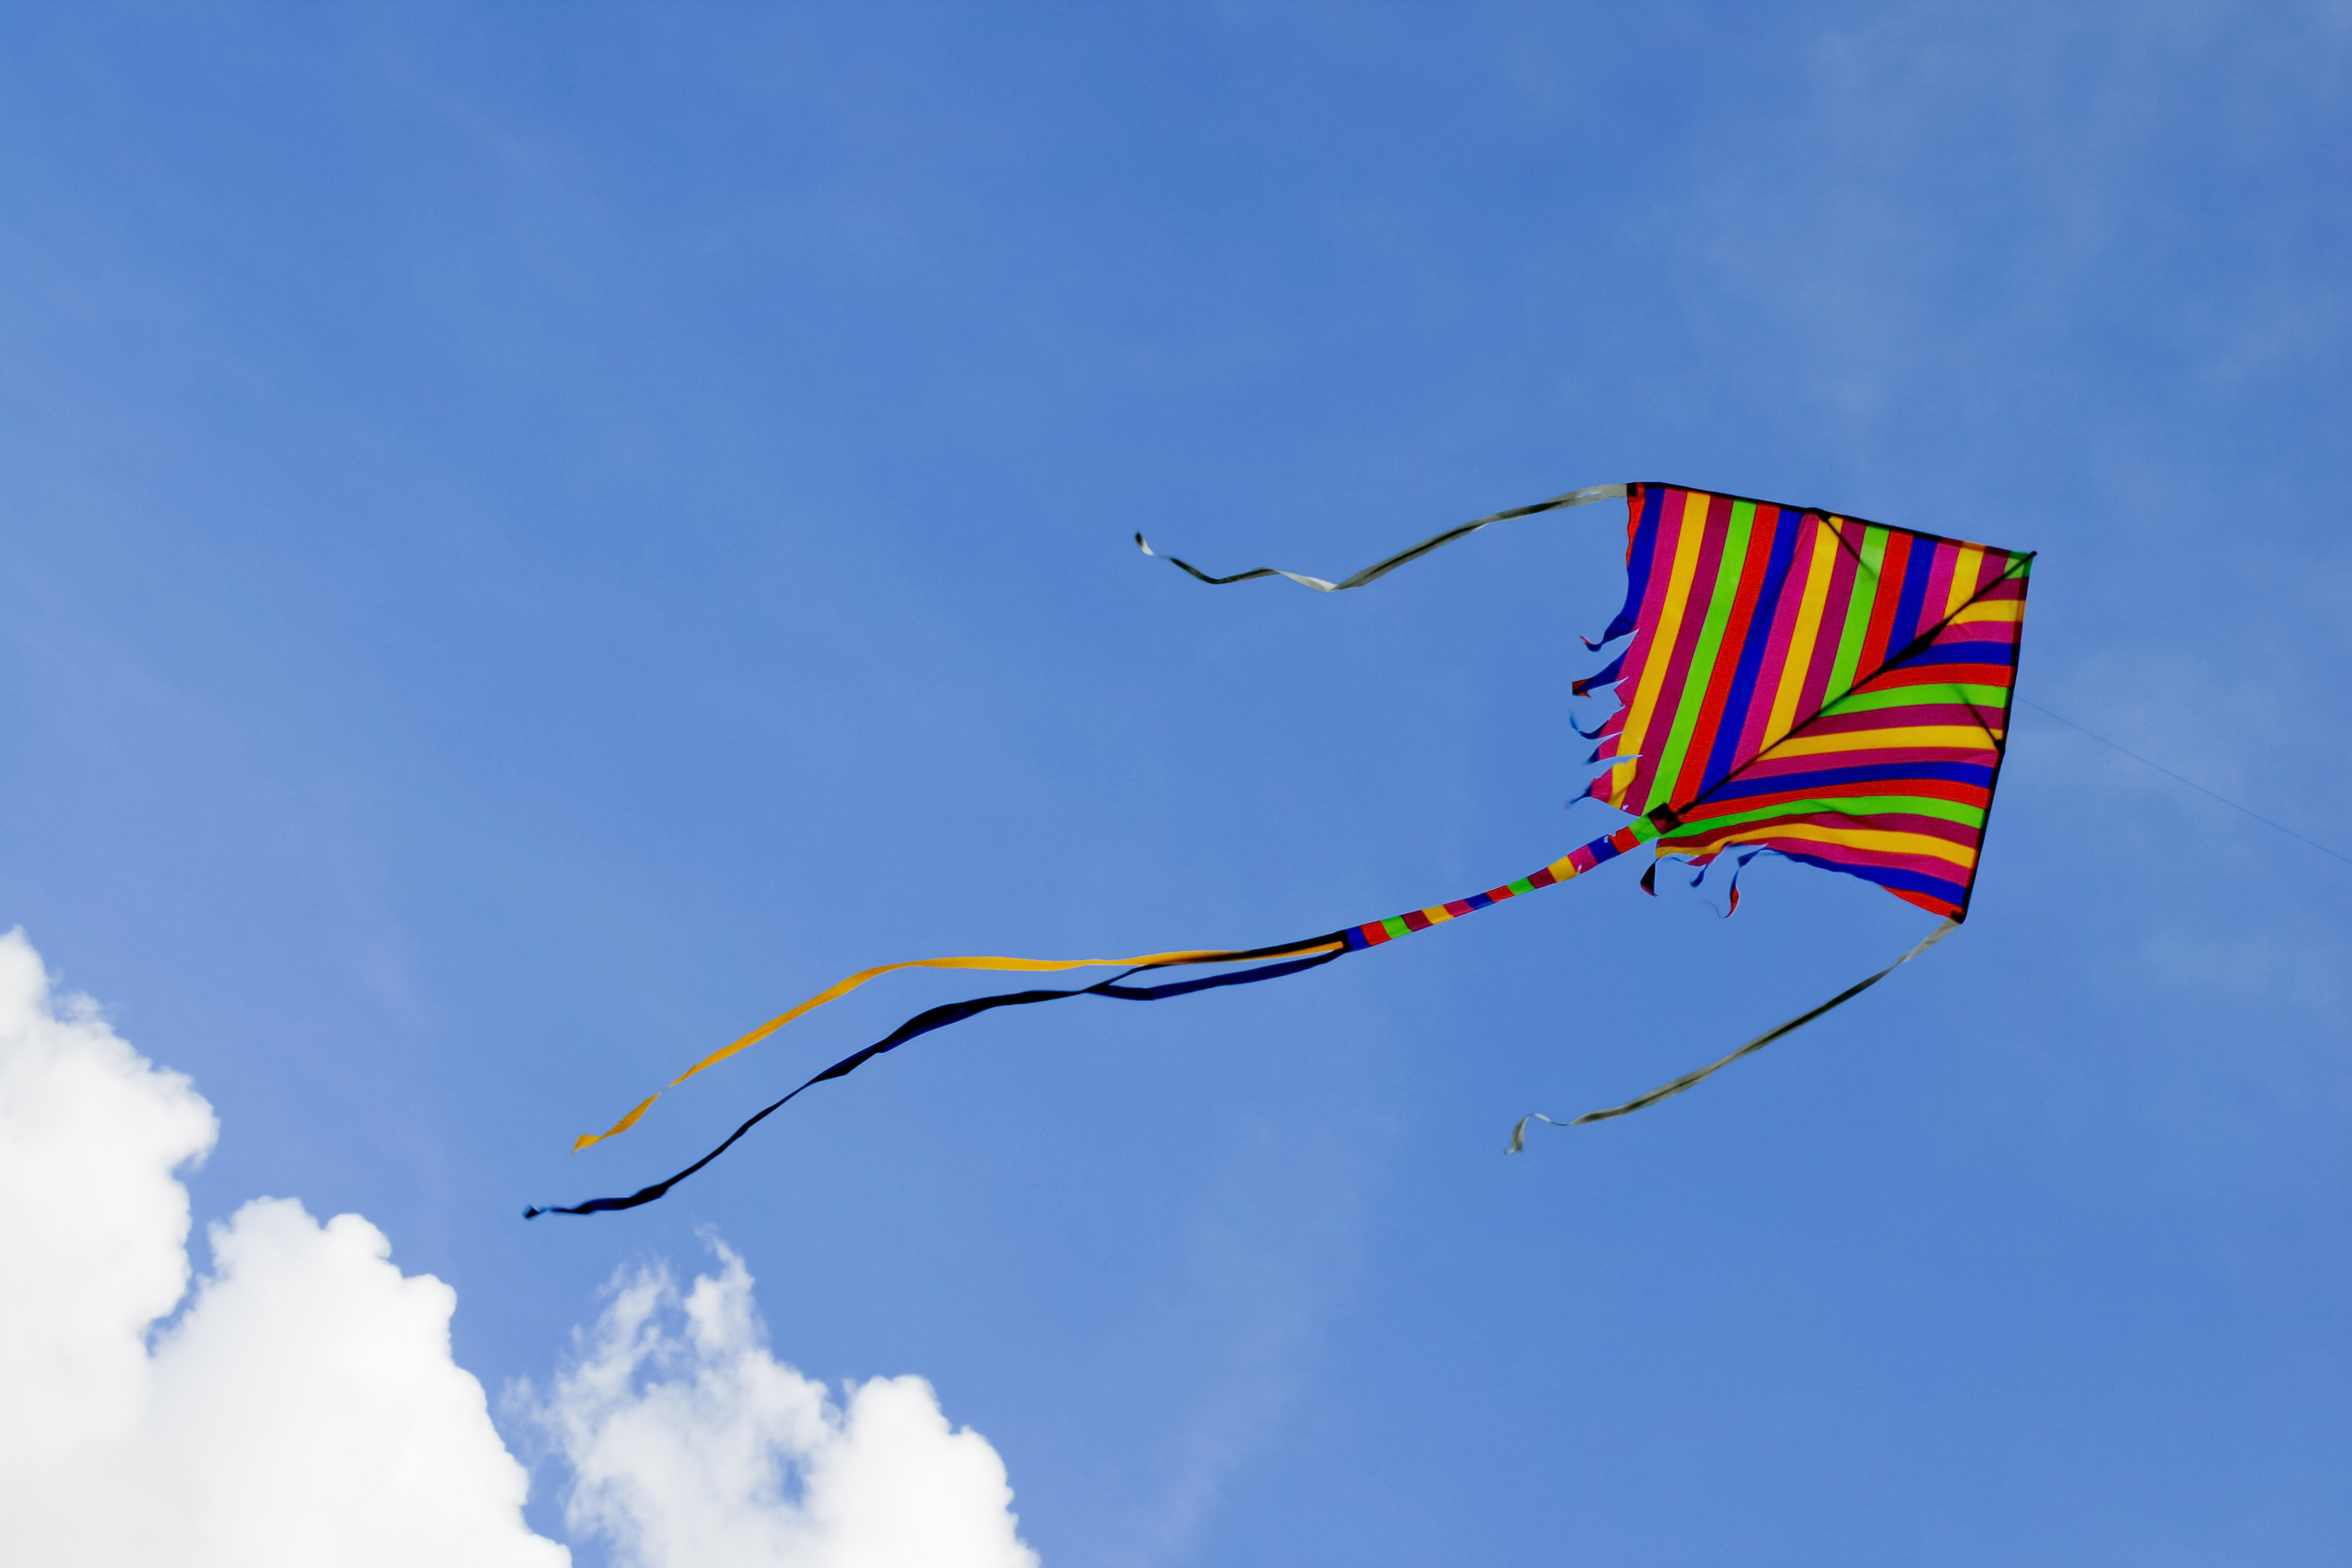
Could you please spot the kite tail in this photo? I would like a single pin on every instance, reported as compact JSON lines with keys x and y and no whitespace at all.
{"x":1692,"y":1080}
{"x":1380,"y":569}
{"x":1290,"y":958}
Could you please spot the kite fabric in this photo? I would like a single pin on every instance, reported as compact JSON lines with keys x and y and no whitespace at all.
{"x":1829,"y":690}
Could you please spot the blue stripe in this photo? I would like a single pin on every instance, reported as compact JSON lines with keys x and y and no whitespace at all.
{"x":1885,"y":876}
{"x":1964,"y":652}
{"x":1915,"y":593}
{"x":1864,"y":773}
{"x":1751,"y":657}
{"x":1637,"y":565}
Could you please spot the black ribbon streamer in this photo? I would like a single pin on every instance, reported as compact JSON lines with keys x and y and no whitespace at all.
{"x":940,"y":1018}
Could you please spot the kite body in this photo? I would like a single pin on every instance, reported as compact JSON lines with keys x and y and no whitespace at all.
{"x":1818,"y":687}
{"x":1830,"y":689}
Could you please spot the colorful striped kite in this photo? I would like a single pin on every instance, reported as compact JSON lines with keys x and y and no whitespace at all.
{"x":1830,"y":690}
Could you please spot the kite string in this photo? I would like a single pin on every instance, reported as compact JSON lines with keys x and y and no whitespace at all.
{"x":2192,"y":783}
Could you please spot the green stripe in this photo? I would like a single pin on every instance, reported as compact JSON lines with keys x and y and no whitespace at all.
{"x":1703,"y":653}
{"x":1868,"y":586}
{"x":1859,"y":805}
{"x":1396,"y":928}
{"x":1521,"y":886}
{"x":1994,"y":697}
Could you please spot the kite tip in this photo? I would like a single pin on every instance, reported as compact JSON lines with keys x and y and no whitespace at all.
{"x":1139,"y":544}
{"x":532,"y":1213}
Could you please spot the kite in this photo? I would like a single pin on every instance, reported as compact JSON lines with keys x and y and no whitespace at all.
{"x":1791,"y":681}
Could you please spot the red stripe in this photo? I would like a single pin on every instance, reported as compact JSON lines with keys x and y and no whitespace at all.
{"x":1928,"y":901}
{"x":1887,"y":597}
{"x":1726,"y":653}
{"x":1940,"y":675}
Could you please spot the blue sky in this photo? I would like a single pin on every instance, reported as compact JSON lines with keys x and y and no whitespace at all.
{"x":538,"y":536}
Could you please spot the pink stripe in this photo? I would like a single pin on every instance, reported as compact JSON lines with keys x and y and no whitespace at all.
{"x":1833,"y":613}
{"x":1939,"y":585}
{"x":1770,"y":768}
{"x":1654,"y":600}
{"x":1989,"y":572}
{"x":1882,"y":822}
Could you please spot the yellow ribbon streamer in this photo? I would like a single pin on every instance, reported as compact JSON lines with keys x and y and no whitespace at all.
{"x":843,"y":988}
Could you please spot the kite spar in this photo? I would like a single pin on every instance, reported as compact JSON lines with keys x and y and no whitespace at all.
{"x":1820,"y":686}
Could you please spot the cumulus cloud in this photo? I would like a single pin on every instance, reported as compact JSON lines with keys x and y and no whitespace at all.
{"x":302,"y":1407}
{"x":694,"y":1447}
{"x":302,"y":1410}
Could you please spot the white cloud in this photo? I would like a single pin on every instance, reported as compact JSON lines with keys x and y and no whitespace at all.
{"x":695,"y":1447}
{"x":304,"y":1408}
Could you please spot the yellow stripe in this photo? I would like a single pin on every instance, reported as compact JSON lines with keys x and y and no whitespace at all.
{"x":1807,"y":632}
{"x":1967,"y":737}
{"x":1661,"y":642}
{"x":1966,"y":567}
{"x":1879,"y":838}
{"x":1994,"y":610}
{"x":841,"y":988}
